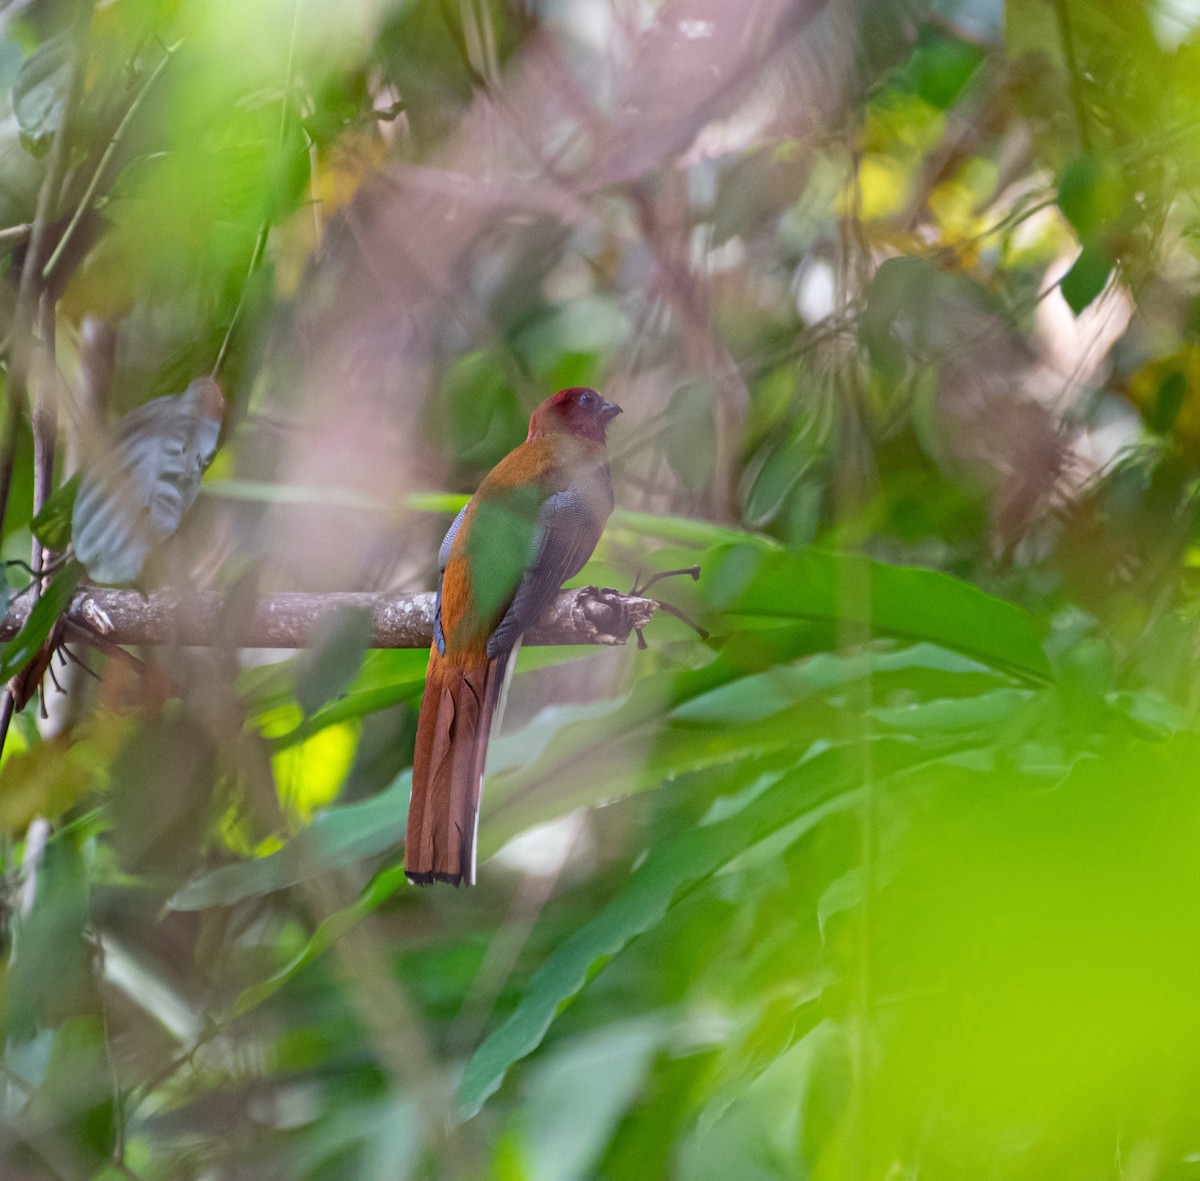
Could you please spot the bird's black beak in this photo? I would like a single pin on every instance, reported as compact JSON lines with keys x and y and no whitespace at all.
{"x":609,"y":411}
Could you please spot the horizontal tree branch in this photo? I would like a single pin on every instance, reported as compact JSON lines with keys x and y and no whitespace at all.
{"x":200,"y":618}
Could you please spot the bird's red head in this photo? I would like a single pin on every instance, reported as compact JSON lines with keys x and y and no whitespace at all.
{"x":578,"y":411}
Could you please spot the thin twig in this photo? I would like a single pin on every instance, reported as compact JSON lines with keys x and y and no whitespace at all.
{"x":21,"y":565}
{"x":260,"y":242}
{"x":90,"y":192}
{"x":39,"y":576}
{"x":118,"y":1099}
{"x":45,"y":421}
{"x":1013,"y":218}
{"x":176,"y":1064}
{"x":256,"y":256}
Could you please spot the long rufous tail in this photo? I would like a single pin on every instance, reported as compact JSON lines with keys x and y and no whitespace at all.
{"x":452,"y":739}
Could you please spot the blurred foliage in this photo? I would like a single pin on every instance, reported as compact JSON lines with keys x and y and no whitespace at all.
{"x":893,"y":874}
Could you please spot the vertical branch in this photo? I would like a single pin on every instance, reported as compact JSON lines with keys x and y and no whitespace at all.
{"x":852,"y":483}
{"x":97,"y":366}
{"x":31,"y":284}
{"x":45,"y":429}
{"x":1074,"y":77}
{"x":8,"y":450}
{"x":45,"y":422}
{"x":49,"y":197}
{"x":855,"y":474}
{"x":31,"y":294}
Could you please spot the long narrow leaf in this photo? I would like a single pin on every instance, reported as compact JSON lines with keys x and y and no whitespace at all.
{"x":907,"y":602}
{"x":336,"y":837}
{"x":813,"y":790}
{"x":22,"y":648}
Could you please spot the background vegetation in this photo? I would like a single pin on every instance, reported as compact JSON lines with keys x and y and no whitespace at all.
{"x":895,"y":874}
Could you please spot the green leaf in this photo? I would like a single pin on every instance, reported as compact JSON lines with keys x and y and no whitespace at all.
{"x":690,"y":440}
{"x":499,"y":547}
{"x":477,"y":409}
{"x":942,"y":65}
{"x":1087,"y":277}
{"x":386,"y":678}
{"x":915,"y":311}
{"x":1168,"y":401}
{"x":751,"y":701}
{"x":987,"y":711}
{"x":1091,"y":194}
{"x":577,"y":756}
{"x":327,"y":669}
{"x":843,"y":893}
{"x":382,"y":887}
{"x":573,"y":1099}
{"x":892,"y":323}
{"x":907,"y":602}
{"x":335,"y":838}
{"x":10,"y":64}
{"x":74,"y":1106}
{"x":160,"y":796}
{"x":1151,"y":711}
{"x":49,"y":974}
{"x":684,"y":530}
{"x":885,"y":32}
{"x":814,"y":790}
{"x":436,"y":502}
{"x":263,"y":492}
{"x":784,"y":1025}
{"x":349,"y":708}
{"x":22,"y":173}
{"x":40,"y":90}
{"x":720,"y":715}
{"x":919,"y":669}
{"x":54,"y":600}
{"x":784,"y":467}
{"x":52,"y":526}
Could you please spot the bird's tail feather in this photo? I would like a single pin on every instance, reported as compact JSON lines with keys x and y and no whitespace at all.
{"x":452,"y":738}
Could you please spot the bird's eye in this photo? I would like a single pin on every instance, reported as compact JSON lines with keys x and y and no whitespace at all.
{"x":588,"y":400}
